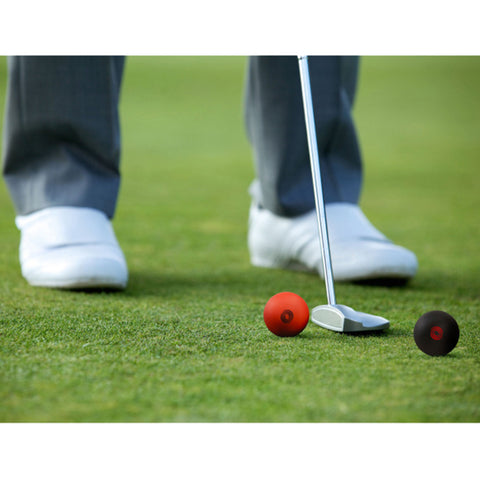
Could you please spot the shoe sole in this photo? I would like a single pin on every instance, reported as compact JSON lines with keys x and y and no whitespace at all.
{"x":89,"y":274}
{"x":80,"y":284}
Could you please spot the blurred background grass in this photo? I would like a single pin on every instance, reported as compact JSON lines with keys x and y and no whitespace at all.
{"x":186,"y":340}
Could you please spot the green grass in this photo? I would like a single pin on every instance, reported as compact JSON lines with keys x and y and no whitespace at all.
{"x":186,"y":341}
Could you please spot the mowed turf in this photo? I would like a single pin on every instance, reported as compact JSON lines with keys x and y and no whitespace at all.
{"x":186,"y":341}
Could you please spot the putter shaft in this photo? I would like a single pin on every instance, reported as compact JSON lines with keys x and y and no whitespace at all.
{"x":316,"y":175}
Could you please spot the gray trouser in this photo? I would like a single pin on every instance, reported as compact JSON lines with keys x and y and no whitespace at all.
{"x":276,"y":128}
{"x":62,"y":133}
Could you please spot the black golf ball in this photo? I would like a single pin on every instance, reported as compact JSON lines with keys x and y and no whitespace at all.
{"x":436,"y":333}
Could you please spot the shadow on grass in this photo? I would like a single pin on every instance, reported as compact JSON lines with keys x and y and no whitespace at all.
{"x":383,"y":282}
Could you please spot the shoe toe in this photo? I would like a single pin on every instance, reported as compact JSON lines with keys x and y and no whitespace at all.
{"x":372,"y":259}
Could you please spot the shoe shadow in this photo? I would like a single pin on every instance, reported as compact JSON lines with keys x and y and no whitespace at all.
{"x":383,"y":282}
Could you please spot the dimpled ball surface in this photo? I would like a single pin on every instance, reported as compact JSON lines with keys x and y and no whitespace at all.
{"x":286,"y":314}
{"x":436,"y":333}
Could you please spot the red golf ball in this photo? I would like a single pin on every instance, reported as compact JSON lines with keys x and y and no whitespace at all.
{"x":286,"y":314}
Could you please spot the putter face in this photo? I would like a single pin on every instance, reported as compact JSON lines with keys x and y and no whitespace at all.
{"x":341,"y":318}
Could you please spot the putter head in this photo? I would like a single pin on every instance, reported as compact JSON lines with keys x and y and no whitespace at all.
{"x":341,"y":318}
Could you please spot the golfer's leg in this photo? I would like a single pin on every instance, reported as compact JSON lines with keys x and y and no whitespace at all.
{"x":276,"y":128}
{"x":282,"y":225}
{"x":62,"y":134}
{"x":61,"y":165}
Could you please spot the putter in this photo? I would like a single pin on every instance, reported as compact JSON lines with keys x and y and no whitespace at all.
{"x":338,"y":318}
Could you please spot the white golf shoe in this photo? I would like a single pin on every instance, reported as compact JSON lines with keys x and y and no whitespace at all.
{"x":359,"y":251}
{"x":70,"y":248}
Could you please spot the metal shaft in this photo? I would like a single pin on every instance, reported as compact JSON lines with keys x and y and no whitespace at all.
{"x":316,"y":177}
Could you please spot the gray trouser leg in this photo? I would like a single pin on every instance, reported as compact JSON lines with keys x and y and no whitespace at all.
{"x":276,"y":128}
{"x":62,"y":132}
